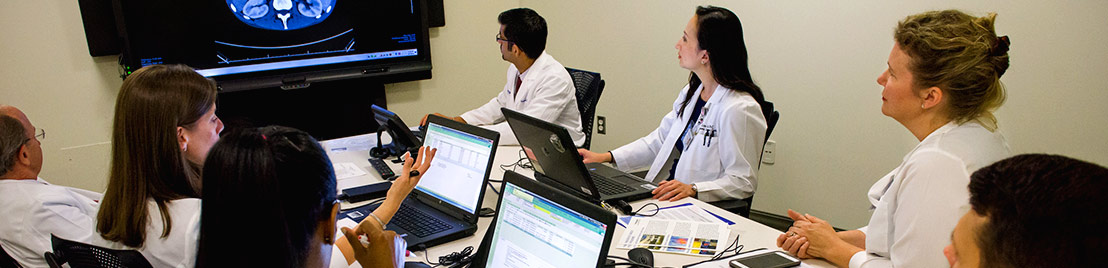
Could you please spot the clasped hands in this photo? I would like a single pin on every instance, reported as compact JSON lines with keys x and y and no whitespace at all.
{"x":809,"y":237}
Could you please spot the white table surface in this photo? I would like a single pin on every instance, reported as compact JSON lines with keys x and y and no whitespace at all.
{"x":752,"y":235}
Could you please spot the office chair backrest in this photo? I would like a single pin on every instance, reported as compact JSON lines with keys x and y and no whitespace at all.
{"x":589,"y":87}
{"x":80,"y":255}
{"x":6,"y":261}
{"x":771,"y":118}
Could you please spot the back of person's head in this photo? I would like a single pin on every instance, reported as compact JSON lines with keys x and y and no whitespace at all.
{"x":276,"y":182}
{"x":960,"y":54}
{"x":720,"y":32}
{"x":526,"y":29}
{"x":147,"y":162}
{"x":12,"y":138}
{"x":1042,"y":211}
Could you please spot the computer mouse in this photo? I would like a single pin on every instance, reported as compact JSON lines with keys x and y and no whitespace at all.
{"x":641,"y":256}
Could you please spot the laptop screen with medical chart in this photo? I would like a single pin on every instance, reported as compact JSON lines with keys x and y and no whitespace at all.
{"x":458,"y":171}
{"x":534,"y":232}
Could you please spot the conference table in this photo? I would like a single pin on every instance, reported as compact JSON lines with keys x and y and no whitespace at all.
{"x":354,"y":151}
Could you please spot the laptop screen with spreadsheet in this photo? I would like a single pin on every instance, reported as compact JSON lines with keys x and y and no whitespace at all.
{"x":532,"y":232}
{"x":458,"y":171}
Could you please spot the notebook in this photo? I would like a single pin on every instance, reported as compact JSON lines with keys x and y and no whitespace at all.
{"x":538,"y":226}
{"x":443,"y":207}
{"x":557,"y":162}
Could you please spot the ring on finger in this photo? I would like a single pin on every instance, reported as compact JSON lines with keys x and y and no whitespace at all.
{"x":791,"y":234}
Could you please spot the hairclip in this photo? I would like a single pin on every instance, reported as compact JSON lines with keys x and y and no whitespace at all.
{"x":1001,"y":46}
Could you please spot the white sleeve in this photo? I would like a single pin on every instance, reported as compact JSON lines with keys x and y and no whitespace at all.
{"x":744,"y":133}
{"x":489,"y":113}
{"x":640,"y":153}
{"x":64,"y":216}
{"x":192,"y":238}
{"x":932,"y":193}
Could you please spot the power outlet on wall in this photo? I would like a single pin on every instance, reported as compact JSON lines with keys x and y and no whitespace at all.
{"x":769,"y":152}
{"x":601,"y":125}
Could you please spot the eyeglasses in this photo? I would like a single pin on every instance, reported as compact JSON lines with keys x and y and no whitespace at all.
{"x":501,"y":38}
{"x":40,"y":135}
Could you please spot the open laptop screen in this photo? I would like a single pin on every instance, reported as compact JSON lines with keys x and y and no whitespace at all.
{"x":458,"y":171}
{"x":534,"y":232}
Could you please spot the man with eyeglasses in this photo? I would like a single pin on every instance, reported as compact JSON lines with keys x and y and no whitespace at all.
{"x":537,"y":85}
{"x":30,"y":208}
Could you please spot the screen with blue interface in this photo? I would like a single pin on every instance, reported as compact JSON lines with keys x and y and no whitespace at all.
{"x":458,"y":171}
{"x":533,"y":232}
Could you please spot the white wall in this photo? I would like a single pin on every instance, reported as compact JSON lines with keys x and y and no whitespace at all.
{"x":816,"y":60}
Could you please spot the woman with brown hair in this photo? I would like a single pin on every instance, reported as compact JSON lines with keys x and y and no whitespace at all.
{"x":942,"y":84}
{"x":164,"y":125}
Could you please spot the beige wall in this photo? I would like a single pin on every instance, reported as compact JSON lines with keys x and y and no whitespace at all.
{"x":817,"y":60}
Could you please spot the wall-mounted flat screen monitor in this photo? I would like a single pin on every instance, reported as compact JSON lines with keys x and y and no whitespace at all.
{"x":245,"y":44}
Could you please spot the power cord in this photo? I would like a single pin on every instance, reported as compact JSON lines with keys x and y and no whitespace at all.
{"x":523,"y":162}
{"x":625,"y":208}
{"x":454,"y":258}
{"x":734,"y":247}
{"x":628,"y":262}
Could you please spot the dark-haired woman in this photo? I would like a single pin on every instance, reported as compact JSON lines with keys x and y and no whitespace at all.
{"x":289,"y":177}
{"x":709,"y":144}
{"x":165,"y":123}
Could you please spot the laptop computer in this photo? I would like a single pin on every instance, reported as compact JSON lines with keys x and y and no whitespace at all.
{"x":538,"y":226}
{"x":557,"y":162}
{"x":444,"y":205}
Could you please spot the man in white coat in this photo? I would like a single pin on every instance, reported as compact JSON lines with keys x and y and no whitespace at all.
{"x":537,"y":85}
{"x":33,"y":209}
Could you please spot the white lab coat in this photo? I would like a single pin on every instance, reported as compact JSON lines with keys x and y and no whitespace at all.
{"x":547,"y":93}
{"x":917,"y":205}
{"x":179,"y":248}
{"x":33,"y":209}
{"x":723,"y":167}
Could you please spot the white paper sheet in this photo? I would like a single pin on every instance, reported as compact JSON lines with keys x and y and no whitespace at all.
{"x":671,"y":236}
{"x":345,"y":170}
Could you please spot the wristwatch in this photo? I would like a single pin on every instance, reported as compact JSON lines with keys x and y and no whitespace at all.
{"x":694,"y":189}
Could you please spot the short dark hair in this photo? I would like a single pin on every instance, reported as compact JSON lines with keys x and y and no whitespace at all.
{"x":526,"y":29}
{"x":285,"y":171}
{"x":12,"y":138}
{"x":1042,"y":211}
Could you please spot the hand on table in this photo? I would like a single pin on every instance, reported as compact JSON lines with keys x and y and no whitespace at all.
{"x":672,"y":190}
{"x":791,"y":241}
{"x":456,"y":118}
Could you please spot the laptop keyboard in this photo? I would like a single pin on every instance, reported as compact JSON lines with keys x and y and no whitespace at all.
{"x":417,"y":222}
{"x":610,"y":187}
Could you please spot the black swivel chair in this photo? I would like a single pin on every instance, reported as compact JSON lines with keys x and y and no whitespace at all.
{"x":589,"y":86}
{"x":80,"y":255}
{"x":6,"y":261}
{"x":742,"y":206}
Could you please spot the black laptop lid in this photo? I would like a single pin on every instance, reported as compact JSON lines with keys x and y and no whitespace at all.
{"x":456,"y":180}
{"x":542,"y":226}
{"x":552,"y":152}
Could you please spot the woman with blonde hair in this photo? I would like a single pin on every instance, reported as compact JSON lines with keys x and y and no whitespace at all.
{"x":942,"y":84}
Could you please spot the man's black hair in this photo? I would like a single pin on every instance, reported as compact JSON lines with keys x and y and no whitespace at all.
{"x":1042,"y":211}
{"x":526,"y":29}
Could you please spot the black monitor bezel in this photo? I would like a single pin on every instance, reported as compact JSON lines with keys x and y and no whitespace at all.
{"x":553,"y":194}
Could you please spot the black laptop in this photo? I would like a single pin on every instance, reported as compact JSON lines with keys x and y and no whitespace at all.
{"x":443,"y":207}
{"x":557,"y":162}
{"x":539,"y":226}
